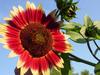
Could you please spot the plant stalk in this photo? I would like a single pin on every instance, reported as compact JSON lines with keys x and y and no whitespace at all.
{"x":89,"y":47}
{"x":98,"y":48}
{"x":88,"y":44}
{"x":77,"y":59}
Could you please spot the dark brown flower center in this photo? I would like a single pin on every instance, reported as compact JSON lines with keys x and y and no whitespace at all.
{"x":39,"y":39}
{"x":36,"y":39}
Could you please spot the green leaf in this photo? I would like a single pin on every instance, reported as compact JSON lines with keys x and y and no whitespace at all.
{"x":97,"y":24}
{"x":55,"y":72}
{"x":67,"y":66}
{"x":97,"y":37}
{"x":83,"y":30}
{"x":76,"y":37}
{"x":71,"y":25}
{"x":76,"y":2}
{"x":87,"y":21}
{"x":97,"y":69}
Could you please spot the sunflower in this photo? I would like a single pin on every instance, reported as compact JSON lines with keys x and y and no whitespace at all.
{"x":35,"y":38}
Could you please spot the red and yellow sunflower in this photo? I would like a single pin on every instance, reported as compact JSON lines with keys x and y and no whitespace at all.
{"x":35,"y":38}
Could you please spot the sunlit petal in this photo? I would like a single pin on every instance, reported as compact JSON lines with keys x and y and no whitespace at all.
{"x":35,"y":38}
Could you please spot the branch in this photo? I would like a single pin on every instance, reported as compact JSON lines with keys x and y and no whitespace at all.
{"x":88,"y":44}
{"x":96,"y":44}
{"x":77,"y":59}
{"x":98,"y":48}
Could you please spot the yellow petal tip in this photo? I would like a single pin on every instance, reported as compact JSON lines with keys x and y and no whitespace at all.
{"x":46,"y":72}
{"x":35,"y":72}
{"x":39,"y":6}
{"x":7,"y":19}
{"x":23,"y":70}
{"x":12,"y":54}
{"x":20,"y":63}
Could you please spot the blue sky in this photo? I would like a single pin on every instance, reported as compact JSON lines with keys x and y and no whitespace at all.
{"x":91,"y":8}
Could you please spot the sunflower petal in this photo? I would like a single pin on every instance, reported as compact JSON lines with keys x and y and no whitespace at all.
{"x":52,"y":15}
{"x":30,"y":5}
{"x":23,"y":70}
{"x":56,"y":68}
{"x":24,"y":56}
{"x":13,"y":13}
{"x":15,"y":10}
{"x":20,"y":63}
{"x":62,"y":46}
{"x":12,"y":54}
{"x":35,"y":66}
{"x":33,"y":6}
{"x":6,"y":47}
{"x":44,"y":66}
{"x":22,"y":15}
{"x":2,"y":32}
{"x":51,"y":18}
{"x":3,"y":26}
{"x":58,"y":36}
{"x":39,"y":7}
{"x":46,"y":72}
{"x":2,"y":40}
{"x":56,"y":60}
{"x":7,"y":19}
{"x":20,"y":8}
{"x":35,"y":72}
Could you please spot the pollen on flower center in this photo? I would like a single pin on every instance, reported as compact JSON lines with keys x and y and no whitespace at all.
{"x":36,"y":39}
{"x":39,"y":39}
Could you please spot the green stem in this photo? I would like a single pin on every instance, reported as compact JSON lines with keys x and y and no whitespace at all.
{"x":77,"y":59}
{"x":97,"y":69}
{"x":67,"y":66}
